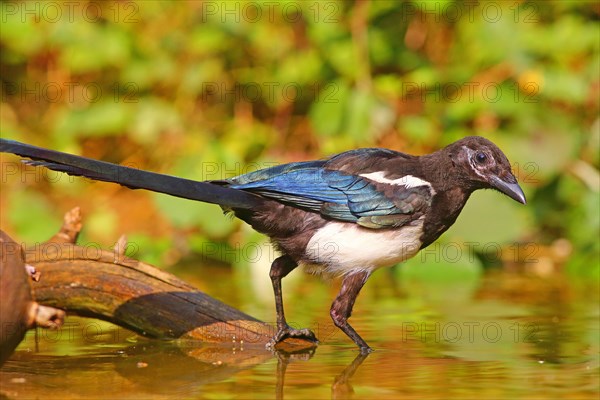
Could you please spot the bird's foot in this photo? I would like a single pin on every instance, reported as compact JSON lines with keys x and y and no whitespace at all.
{"x":289,"y":332}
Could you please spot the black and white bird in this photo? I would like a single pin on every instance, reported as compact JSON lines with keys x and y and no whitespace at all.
{"x":347,"y":215}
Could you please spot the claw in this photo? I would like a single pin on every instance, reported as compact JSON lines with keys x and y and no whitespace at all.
{"x":289,"y":332}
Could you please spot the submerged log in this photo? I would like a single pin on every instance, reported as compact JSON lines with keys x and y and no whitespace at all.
{"x":110,"y":286}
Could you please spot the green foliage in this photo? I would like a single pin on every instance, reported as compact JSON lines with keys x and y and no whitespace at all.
{"x":188,"y":87}
{"x":27,"y":208}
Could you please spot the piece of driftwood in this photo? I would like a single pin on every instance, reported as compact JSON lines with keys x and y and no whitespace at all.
{"x":18,"y":310}
{"x":88,"y":281}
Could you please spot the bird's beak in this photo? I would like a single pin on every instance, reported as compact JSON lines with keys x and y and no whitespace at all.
{"x":509,"y":187}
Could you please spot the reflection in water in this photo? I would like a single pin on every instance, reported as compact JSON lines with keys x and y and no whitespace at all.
{"x":341,"y":387}
{"x":283,"y":360}
{"x":509,"y":336}
{"x":184,"y":368}
{"x":162,"y":369}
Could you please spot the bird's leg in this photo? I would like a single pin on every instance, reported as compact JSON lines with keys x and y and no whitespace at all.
{"x":279,"y":269}
{"x":341,"y":309}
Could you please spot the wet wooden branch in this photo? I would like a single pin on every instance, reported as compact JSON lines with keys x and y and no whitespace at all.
{"x":88,"y":281}
{"x":18,"y":310}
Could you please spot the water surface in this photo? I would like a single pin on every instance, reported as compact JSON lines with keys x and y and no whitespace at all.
{"x":506,"y":335}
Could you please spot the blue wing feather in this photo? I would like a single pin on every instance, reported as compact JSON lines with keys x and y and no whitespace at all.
{"x":333,"y":193}
{"x":305,"y":183}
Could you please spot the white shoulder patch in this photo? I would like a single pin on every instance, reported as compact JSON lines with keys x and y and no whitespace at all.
{"x":409,"y":181}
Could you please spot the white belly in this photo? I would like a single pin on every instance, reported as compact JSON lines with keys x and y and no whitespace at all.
{"x":343,"y":248}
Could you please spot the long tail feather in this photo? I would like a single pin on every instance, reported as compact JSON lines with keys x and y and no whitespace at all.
{"x":131,"y":177}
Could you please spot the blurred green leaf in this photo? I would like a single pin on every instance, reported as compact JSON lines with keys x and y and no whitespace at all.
{"x":327,"y":114}
{"x":154,"y":117}
{"x":99,"y":119}
{"x":32,"y":216}
{"x":491,"y":218}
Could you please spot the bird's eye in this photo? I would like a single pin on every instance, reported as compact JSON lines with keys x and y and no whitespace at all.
{"x":481,"y":158}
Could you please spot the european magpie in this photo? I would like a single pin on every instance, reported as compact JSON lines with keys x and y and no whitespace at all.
{"x":347,"y":215}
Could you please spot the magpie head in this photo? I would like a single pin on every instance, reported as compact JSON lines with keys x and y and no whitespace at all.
{"x":484,"y":166}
